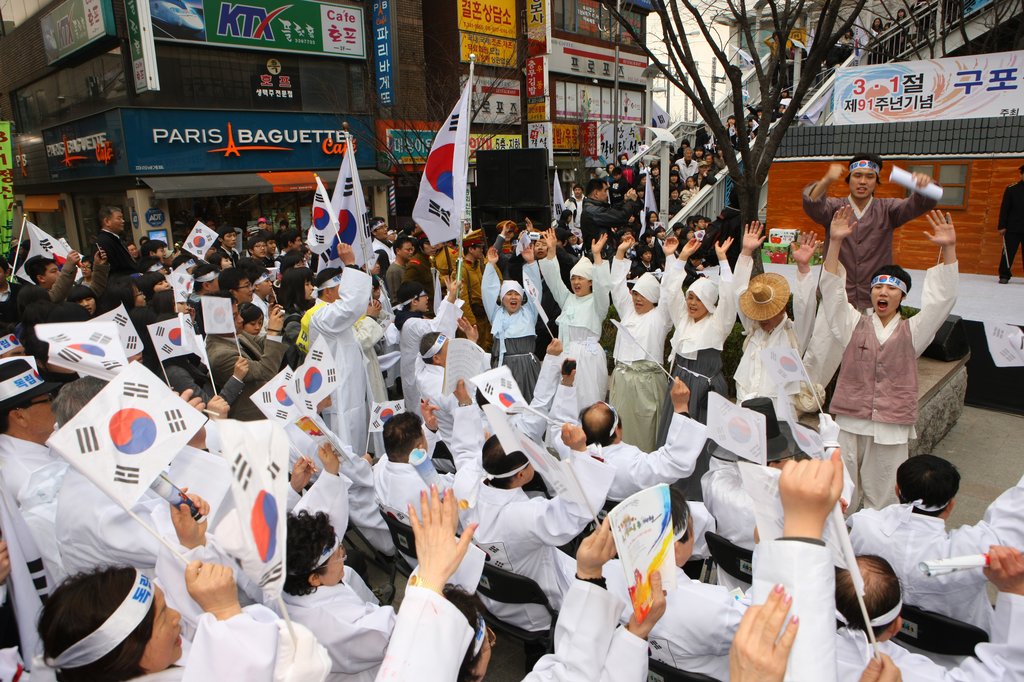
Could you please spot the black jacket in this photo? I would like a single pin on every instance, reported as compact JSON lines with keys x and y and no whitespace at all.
{"x":121,"y":262}
{"x":1011,"y":212}
{"x":598,"y":217}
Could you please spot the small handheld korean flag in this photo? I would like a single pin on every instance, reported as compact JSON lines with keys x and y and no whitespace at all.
{"x":194,"y":342}
{"x":92,"y":348}
{"x":324,"y":221}
{"x":650,"y":205}
{"x":217,"y":316}
{"x":784,"y":365}
{"x":316,"y":377}
{"x":347,"y":200}
{"x":199,"y":240}
{"x":42,"y":244}
{"x":737,"y":429}
{"x":659,"y":117}
{"x":125,"y":328}
{"x":127,"y":434}
{"x":384,"y":411}
{"x":167,"y":339}
{"x":500,"y":388}
{"x":253,"y":532}
{"x":440,"y":203}
{"x":181,"y":282}
{"x":557,"y":203}
{"x":534,"y":293}
{"x":275,"y":401}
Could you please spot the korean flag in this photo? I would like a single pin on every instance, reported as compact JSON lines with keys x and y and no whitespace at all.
{"x":316,"y":377}
{"x":275,"y":401}
{"x":199,"y":240}
{"x":92,"y":348}
{"x":324,"y":221}
{"x":167,"y":339}
{"x":125,"y":329}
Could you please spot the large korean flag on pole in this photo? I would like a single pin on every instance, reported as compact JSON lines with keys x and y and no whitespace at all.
{"x":42,"y":244}
{"x":442,"y":196}
{"x":324,"y":221}
{"x":350,"y":206}
{"x":128,"y":434}
{"x":254,"y":531}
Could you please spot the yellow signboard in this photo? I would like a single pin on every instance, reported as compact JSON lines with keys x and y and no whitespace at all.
{"x":485,"y":142}
{"x":493,"y":17}
{"x":565,"y":137}
{"x":537,"y":111}
{"x":488,"y":49}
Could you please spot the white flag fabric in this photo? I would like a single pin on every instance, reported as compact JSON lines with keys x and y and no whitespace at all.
{"x":92,"y":348}
{"x":41,"y":244}
{"x":441,"y":200}
{"x":189,"y":339}
{"x":557,"y":203}
{"x":649,"y":204}
{"x":217,"y":316}
{"x":500,"y":389}
{"x":737,"y":429}
{"x":29,"y":583}
{"x":275,"y":401}
{"x":316,"y":377}
{"x":199,"y":240}
{"x":384,"y":411}
{"x":125,"y":328}
{"x":1005,"y":344}
{"x":324,"y":221}
{"x":350,"y":206}
{"x":125,"y":436}
{"x":181,"y":282}
{"x":659,"y":117}
{"x":254,"y":531}
{"x":167,"y":339}
{"x":535,"y":294}
{"x":784,"y":366}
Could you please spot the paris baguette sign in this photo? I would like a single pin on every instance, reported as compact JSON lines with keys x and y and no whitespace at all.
{"x":303,"y":26}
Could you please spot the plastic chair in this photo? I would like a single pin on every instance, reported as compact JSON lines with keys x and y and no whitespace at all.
{"x":662,"y":672}
{"x":512,"y":588}
{"x":938,"y":634}
{"x":730,"y":557}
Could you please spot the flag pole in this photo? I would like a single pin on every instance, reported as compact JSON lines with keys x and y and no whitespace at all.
{"x":25,"y":218}
{"x":162,"y":369}
{"x":287,"y":618}
{"x":238,"y":346}
{"x":465,"y":170}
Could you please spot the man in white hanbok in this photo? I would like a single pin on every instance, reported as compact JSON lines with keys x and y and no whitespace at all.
{"x":411,"y":325}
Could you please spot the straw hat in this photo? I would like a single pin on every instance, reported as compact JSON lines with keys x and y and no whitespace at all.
{"x":765,"y":297}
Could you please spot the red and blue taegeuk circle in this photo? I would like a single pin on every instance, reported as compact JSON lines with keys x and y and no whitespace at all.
{"x":263,"y":524}
{"x":282,"y":396}
{"x":312,"y":380}
{"x":386,"y":414}
{"x":174,"y":336}
{"x":347,"y":227}
{"x":132,"y":431}
{"x":88,"y":349}
{"x":439,"y":170}
{"x":506,"y":399}
{"x":740,"y":430}
{"x":321,"y":218}
{"x":199,"y":241}
{"x":788,"y":363}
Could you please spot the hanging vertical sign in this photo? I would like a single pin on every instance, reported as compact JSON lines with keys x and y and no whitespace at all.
{"x":538,"y":29}
{"x":6,"y":187}
{"x":141,"y":46}
{"x":383,"y":52}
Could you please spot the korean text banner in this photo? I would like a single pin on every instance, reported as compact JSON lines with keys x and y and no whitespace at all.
{"x":306,"y":27}
{"x":491,"y":17}
{"x":977,"y":86}
{"x":6,"y":187}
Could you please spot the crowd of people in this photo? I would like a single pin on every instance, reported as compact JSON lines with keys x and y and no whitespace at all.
{"x":624,"y":416}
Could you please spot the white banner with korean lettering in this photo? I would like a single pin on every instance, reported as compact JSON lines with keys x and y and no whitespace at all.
{"x":974,"y":86}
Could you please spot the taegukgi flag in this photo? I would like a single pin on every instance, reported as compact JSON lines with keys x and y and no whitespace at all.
{"x":275,"y":401}
{"x":199,"y":240}
{"x":41,"y":244}
{"x":92,"y":348}
{"x":324,"y":220}
{"x":350,"y":206}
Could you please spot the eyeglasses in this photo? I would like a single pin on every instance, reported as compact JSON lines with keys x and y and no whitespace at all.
{"x":45,"y":399}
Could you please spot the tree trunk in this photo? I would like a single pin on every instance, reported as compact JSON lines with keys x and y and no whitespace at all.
{"x":749,"y":193}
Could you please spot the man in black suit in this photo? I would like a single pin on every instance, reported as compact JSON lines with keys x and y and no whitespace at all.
{"x":111,"y":221}
{"x":1011,"y":225}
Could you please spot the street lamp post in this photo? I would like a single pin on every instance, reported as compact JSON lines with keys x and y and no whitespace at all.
{"x":615,"y":95}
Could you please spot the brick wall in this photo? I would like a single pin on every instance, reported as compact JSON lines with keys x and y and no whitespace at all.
{"x":978,"y":243}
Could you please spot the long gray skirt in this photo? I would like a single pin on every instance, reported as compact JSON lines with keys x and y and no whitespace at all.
{"x":708,"y":363}
{"x":521,"y":361}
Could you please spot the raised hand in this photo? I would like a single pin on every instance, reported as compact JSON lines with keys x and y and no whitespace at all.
{"x":528,"y":255}
{"x":468,"y":329}
{"x":191,"y":533}
{"x":597,"y":246}
{"x":574,"y":437}
{"x":842,"y":225}
{"x":429,"y":412}
{"x":943,"y":233}
{"x":624,"y":245}
{"x":492,"y":256}
{"x":329,"y":458}
{"x":552,"y":242}
{"x":690,"y":249}
{"x":803,"y":248}
{"x":212,"y":586}
{"x":755,"y":655}
{"x":722,"y":249}
{"x":670,"y":246}
{"x":345,"y":254}
{"x":1006,"y":569}
{"x":836,"y":171}
{"x":302,"y":474}
{"x":437,"y":550}
{"x":809,"y":491}
{"x":753,"y":237}
{"x":596,"y":550}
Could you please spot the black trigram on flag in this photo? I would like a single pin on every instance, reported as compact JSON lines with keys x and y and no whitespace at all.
{"x":267,"y":397}
{"x":347,"y":192}
{"x":37,"y":571}
{"x":125,"y":474}
{"x":329,"y":374}
{"x":99,"y":337}
{"x":69,"y":355}
{"x":321,"y":199}
{"x":271,"y":575}
{"x":121,"y":320}
{"x":436,"y":210}
{"x":110,"y":365}
{"x":46,"y":245}
{"x":453,"y":124}
{"x":87,"y":441}
{"x":282,"y":415}
{"x":319,"y":238}
{"x":317,"y":355}
{"x":242,"y":471}
{"x":506,"y":383}
{"x":160,"y":331}
{"x":132,"y":343}
{"x":175,"y":422}
{"x":166,"y":349}
{"x":61,"y":338}
{"x":273,"y":469}
{"x":134,"y":389}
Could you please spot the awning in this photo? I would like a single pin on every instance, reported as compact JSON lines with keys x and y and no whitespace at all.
{"x":41,"y":203}
{"x":229,"y":184}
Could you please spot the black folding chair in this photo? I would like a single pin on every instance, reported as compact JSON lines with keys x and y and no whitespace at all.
{"x":731,"y":558}
{"x":938,"y":634}
{"x":663,"y":672}
{"x":511,"y":588}
{"x":405,"y":545}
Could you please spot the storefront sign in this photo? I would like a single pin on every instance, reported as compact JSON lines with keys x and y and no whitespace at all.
{"x":496,"y":100}
{"x":167,"y":141}
{"x":538,"y":28}
{"x":91,"y":147}
{"x":538,"y":111}
{"x":491,"y":17}
{"x":486,"y":142}
{"x":280,"y":89}
{"x":975,"y":86}
{"x":141,"y":46}
{"x":565,"y":137}
{"x":588,"y":139}
{"x":74,"y":24}
{"x":536,"y":77}
{"x":589,"y":61}
{"x":306,"y":27}
{"x":384,"y":71}
{"x":405,"y":146}
{"x":488,"y":49}
{"x":154,"y":217}
{"x":538,"y":136}
{"x":596,"y":103}
{"x":6,"y":187}
{"x":629,"y":142}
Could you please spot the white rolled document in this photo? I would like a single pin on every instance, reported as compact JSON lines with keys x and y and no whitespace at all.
{"x":905,"y":179}
{"x":953,"y":564}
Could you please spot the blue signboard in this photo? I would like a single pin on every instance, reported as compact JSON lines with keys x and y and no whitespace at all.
{"x":90,"y":147}
{"x":170,"y":141}
{"x":384,"y":71}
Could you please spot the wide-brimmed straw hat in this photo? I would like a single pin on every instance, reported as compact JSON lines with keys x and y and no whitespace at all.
{"x":765,"y":297}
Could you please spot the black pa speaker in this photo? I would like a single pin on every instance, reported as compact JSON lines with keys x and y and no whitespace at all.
{"x":950,"y":342}
{"x":492,"y":178}
{"x":528,"y":183}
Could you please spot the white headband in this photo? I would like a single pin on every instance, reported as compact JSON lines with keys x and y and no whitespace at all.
{"x":436,"y":348}
{"x":507,"y":474}
{"x":15,"y":386}
{"x":919,"y":504}
{"x":478,"y":635}
{"x":262,"y":278}
{"x":208,"y":277}
{"x":324,"y":558}
{"x":115,"y":629}
{"x":681,"y":532}
{"x":156,"y":267}
{"x":878,"y":621}
{"x":891,"y":281}
{"x":331,"y":283}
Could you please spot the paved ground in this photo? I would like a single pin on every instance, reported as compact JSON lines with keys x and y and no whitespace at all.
{"x":984,"y":445}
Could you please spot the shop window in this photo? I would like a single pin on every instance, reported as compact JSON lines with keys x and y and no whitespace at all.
{"x":73,"y":92}
{"x":953,"y":177}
